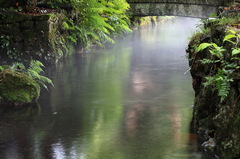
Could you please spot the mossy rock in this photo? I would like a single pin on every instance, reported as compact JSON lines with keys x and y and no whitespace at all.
{"x":17,"y":89}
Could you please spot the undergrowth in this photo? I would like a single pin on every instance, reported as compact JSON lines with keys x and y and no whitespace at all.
{"x":226,"y":66}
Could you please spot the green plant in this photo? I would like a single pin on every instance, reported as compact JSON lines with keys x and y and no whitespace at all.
{"x":33,"y":71}
{"x":96,"y":21}
{"x":223,"y":76}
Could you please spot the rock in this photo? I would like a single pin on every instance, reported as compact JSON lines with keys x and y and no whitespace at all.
{"x":27,"y":25}
{"x":17,"y":89}
{"x":210,"y":144}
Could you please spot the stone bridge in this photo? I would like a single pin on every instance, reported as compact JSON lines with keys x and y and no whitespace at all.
{"x":188,"y":8}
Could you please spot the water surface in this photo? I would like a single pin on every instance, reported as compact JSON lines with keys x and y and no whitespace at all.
{"x":128,"y":101}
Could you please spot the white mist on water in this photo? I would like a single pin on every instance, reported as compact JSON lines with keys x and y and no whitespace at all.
{"x":128,"y":101}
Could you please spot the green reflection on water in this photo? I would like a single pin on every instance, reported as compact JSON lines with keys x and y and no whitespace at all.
{"x":107,"y":89}
{"x":126,"y":102}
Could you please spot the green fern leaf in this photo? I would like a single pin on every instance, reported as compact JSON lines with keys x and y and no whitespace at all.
{"x":42,"y":84}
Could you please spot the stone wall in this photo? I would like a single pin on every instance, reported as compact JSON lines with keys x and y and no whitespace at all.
{"x":194,"y":2}
{"x":37,"y":37}
{"x":171,"y":9}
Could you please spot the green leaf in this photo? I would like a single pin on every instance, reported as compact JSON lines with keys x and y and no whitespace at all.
{"x":232,"y":32}
{"x":215,"y":46}
{"x":42,"y":84}
{"x":203,"y":46}
{"x":235,"y":51}
{"x":65,"y":25}
{"x":207,"y":61}
{"x":227,"y":37}
{"x":235,"y":58}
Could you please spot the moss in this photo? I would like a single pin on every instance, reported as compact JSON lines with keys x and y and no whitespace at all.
{"x":17,"y":88}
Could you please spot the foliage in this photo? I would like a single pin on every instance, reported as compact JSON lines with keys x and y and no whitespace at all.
{"x":94,"y":21}
{"x":226,"y":67}
{"x":33,"y":71}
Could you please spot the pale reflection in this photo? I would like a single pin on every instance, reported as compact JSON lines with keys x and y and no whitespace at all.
{"x":176,"y":124}
{"x":58,"y":150}
{"x":140,"y":82}
{"x":131,"y":120}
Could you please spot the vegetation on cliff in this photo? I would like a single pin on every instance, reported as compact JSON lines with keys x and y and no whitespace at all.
{"x":214,"y":58}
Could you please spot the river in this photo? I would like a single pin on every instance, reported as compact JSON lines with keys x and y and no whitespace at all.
{"x":131,"y":100}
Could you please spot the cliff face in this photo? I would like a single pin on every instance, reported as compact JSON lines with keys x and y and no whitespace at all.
{"x":216,"y":81}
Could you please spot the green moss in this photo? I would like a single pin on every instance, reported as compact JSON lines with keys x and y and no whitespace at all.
{"x":18,"y":88}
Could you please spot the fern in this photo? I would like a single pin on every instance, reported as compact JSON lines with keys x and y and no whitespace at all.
{"x":223,"y":77}
{"x":97,"y":20}
{"x":34,"y":70}
{"x":208,"y":61}
{"x":223,"y":83}
{"x":35,"y":66}
{"x":17,"y":66}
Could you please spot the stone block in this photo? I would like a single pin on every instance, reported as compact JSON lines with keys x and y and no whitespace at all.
{"x":10,"y":29}
{"x":27,"y":25}
{"x":30,"y":35}
{"x":41,"y":27}
{"x":44,"y":17}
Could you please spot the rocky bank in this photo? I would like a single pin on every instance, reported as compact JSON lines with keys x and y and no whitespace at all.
{"x":216,"y":116}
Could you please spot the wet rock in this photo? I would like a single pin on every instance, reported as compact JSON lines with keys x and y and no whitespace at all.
{"x":210,"y":144}
{"x":17,"y":89}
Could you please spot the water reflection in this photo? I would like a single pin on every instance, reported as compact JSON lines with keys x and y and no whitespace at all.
{"x":129,"y":101}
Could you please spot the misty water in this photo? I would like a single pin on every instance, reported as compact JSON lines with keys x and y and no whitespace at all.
{"x":131,"y":100}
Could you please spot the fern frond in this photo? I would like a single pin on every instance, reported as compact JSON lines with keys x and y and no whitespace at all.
{"x":46,"y":80}
{"x":17,"y":66}
{"x":33,"y":74}
{"x":35,"y":66}
{"x":42,"y":84}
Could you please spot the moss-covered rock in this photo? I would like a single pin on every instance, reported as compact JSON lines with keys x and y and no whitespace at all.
{"x":17,"y":88}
